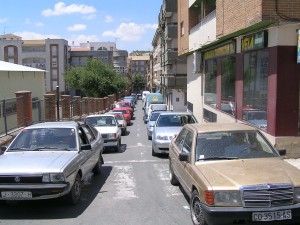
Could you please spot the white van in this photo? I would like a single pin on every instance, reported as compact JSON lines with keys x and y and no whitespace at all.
{"x":153,"y":107}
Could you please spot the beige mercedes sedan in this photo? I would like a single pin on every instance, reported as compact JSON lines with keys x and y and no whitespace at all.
{"x":233,"y":175}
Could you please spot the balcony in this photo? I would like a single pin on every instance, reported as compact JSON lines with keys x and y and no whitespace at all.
{"x":170,"y":56}
{"x":204,"y":32}
{"x":171,"y":32}
{"x":174,"y":82}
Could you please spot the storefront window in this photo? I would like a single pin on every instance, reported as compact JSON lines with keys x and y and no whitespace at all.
{"x":210,"y":84}
{"x":256,"y":88}
{"x":228,"y":85}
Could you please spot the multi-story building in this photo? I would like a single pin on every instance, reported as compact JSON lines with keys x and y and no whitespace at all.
{"x":47,"y":54}
{"x":242,"y":64}
{"x":173,"y":78}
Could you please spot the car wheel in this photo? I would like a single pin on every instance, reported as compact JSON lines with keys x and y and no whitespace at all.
{"x":153,"y":152}
{"x":117,"y":149}
{"x":149,"y":137}
{"x":73,"y":197}
{"x":172,"y":176}
{"x":98,"y":166}
{"x":196,"y":210}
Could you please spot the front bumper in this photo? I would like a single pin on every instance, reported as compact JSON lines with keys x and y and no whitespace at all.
{"x":160,"y":146}
{"x":239,"y":215}
{"x":38,"y":191}
{"x":111,"y":142}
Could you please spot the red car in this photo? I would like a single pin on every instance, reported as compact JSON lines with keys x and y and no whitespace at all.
{"x":126,"y":105}
{"x":126,"y":112}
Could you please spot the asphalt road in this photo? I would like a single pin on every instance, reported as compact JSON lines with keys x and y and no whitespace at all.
{"x":134,"y":189}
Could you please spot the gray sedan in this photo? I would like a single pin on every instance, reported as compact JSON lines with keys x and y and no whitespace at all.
{"x":167,"y":125}
{"x":50,"y":160}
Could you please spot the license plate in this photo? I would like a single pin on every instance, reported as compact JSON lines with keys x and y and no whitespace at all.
{"x":270,"y":216}
{"x":16,"y":194}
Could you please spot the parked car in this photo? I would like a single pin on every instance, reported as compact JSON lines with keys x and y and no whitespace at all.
{"x":167,"y":125}
{"x":124,"y":104}
{"x":50,"y":160}
{"x":126,"y":112}
{"x":233,"y":175}
{"x":107,"y":125}
{"x":152,"y":120}
{"x":256,"y":117}
{"x":121,"y":121}
{"x":159,"y":106}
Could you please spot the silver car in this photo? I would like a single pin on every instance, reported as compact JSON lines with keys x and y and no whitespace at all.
{"x":167,"y":125}
{"x":50,"y":160}
{"x":121,"y":121}
{"x":152,"y":119}
{"x":107,"y":125}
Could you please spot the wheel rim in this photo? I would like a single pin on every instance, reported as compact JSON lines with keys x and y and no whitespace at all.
{"x":77,"y":189}
{"x":197,"y":215}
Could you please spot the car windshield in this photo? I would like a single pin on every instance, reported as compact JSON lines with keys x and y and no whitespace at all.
{"x":122,"y":111}
{"x":101,"y":121}
{"x":233,"y":144}
{"x":175,"y":120}
{"x":154,"y":116}
{"x":45,"y":139}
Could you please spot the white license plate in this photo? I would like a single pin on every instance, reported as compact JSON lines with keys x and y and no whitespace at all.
{"x":16,"y":194}
{"x":270,"y":216}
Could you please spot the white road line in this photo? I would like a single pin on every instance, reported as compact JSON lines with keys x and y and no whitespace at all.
{"x":139,"y":145}
{"x":134,"y":161}
{"x":124,"y":182}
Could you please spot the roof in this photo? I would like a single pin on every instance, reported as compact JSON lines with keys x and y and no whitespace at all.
{"x":34,"y":42}
{"x":176,"y":113}
{"x":6,"y":66}
{"x":57,"y":124}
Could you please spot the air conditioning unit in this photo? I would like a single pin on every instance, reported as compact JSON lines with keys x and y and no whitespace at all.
{"x":197,"y":60}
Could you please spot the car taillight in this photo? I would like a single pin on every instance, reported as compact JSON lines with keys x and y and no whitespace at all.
{"x":209,"y":197}
{"x":115,"y":135}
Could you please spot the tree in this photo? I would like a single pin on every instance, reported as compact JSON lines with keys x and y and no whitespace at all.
{"x":96,"y":79}
{"x":138,"y":82}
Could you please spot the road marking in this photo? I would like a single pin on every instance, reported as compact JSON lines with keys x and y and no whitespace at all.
{"x":139,"y":145}
{"x":134,"y":161}
{"x":124,"y":182}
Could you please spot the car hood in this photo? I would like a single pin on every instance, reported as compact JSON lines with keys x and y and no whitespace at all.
{"x":233,"y":174}
{"x":107,"y":130}
{"x":167,"y":130}
{"x":35,"y":162}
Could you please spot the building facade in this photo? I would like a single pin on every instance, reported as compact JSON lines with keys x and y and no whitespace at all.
{"x":47,"y":54}
{"x":242,"y":64}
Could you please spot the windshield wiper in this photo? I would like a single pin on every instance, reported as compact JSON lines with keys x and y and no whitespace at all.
{"x":18,"y":149}
{"x":218,"y":158}
{"x":49,"y":148}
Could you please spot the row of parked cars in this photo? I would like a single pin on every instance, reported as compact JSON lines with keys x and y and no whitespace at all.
{"x":231,"y":172}
{"x":51,"y":159}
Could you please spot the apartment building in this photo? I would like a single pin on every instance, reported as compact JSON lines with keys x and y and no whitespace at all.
{"x":173,"y":81}
{"x":47,"y":54}
{"x":242,"y":64}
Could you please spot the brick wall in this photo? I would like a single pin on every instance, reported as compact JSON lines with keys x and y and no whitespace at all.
{"x":234,"y":15}
{"x":183,"y":18}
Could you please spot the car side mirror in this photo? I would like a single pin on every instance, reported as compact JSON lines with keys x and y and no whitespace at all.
{"x":119,"y":125}
{"x":183,"y":156}
{"x":282,"y":152}
{"x":86,"y":147}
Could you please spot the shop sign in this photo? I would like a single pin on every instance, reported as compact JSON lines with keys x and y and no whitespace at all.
{"x":255,"y":41}
{"x":298,"y":51}
{"x":220,"y":51}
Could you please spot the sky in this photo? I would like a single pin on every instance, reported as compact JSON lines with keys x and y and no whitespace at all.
{"x":131,"y":24}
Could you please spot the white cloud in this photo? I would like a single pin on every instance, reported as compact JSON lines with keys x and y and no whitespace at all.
{"x":129,"y":31}
{"x":39,"y":24}
{"x":77,"y":27}
{"x":26,"y":35}
{"x":74,"y":40}
{"x":108,"y":19}
{"x":3,"y":20}
{"x":61,"y":9}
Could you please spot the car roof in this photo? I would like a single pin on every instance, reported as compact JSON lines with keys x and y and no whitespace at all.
{"x":175,"y":113}
{"x":215,"y":127}
{"x":101,"y":115}
{"x":62,"y":124}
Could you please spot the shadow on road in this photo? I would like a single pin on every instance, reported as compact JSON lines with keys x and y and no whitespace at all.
{"x":56,"y":208}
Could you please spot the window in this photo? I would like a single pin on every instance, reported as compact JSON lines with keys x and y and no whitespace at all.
{"x":10,"y":51}
{"x":228,"y":85}
{"x":210,"y":86}
{"x":89,"y":134}
{"x":54,"y":74}
{"x":188,"y":142}
{"x":54,"y":62}
{"x":180,"y":138}
{"x":255,"y":90}
{"x":54,"y":50}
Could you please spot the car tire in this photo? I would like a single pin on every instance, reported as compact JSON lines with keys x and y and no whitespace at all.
{"x":153,"y":152}
{"x":98,"y":167}
{"x":117,"y":149}
{"x":172,"y":176}
{"x":149,"y":137}
{"x":197,"y":214}
{"x":73,"y":197}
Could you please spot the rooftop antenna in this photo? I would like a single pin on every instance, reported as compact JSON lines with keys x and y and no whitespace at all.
{"x":4,"y":27}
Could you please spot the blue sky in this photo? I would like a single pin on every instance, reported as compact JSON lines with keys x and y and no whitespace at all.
{"x":131,"y":24}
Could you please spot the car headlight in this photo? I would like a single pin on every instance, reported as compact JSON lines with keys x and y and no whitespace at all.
{"x":53,"y":177}
{"x":162,"y":138}
{"x":227,"y":198}
{"x":297,"y":195}
{"x":112,"y":136}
